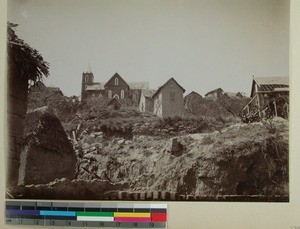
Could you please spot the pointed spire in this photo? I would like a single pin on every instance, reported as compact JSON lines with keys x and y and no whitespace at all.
{"x":89,"y":68}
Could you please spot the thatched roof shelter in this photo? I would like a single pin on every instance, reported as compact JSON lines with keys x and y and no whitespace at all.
{"x":25,"y":64}
{"x":23,"y":60}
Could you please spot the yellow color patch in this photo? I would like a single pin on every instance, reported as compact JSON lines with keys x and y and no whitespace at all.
{"x":132,"y":214}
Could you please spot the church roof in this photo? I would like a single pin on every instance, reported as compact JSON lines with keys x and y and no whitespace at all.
{"x":94,"y":87}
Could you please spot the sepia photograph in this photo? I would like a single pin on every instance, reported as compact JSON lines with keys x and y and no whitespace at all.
{"x":184,"y":100}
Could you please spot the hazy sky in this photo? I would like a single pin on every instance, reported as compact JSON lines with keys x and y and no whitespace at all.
{"x":203,"y":44}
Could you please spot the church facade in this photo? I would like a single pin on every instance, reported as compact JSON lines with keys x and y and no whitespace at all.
{"x":116,"y":87}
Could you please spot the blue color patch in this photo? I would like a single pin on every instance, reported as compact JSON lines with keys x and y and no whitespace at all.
{"x":58,"y":213}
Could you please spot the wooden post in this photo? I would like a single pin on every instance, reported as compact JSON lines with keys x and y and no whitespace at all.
{"x":248,"y":109}
{"x":258,"y":103}
{"x":275,"y":108}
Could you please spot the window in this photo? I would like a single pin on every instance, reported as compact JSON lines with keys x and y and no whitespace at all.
{"x":86,"y":78}
{"x":116,"y":96}
{"x":110,"y":94}
{"x":122,"y":94}
{"x":172,"y":97}
{"x":116,"y":81}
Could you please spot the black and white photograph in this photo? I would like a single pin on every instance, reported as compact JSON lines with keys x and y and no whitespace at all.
{"x":161,"y":100}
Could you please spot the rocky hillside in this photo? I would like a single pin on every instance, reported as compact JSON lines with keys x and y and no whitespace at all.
{"x":243,"y":159}
{"x":137,"y":153}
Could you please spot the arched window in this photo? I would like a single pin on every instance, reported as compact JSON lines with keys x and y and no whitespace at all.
{"x":110,"y":94}
{"x":122,"y":94}
{"x":116,"y":96}
{"x":116,"y":81}
{"x":86,"y":78}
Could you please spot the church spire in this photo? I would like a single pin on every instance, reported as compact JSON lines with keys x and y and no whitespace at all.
{"x":89,"y":68}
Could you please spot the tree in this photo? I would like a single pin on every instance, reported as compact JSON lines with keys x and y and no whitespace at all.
{"x":24,"y":64}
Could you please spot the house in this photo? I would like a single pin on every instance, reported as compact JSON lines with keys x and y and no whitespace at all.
{"x":146,"y":101}
{"x":168,"y":99}
{"x":233,"y":95}
{"x":191,"y":100}
{"x":269,"y":97}
{"x":214,"y":94}
{"x":115,"y":87}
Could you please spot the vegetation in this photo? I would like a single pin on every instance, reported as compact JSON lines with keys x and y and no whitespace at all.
{"x":23,"y":60}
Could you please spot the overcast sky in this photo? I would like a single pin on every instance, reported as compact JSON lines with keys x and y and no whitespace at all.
{"x":203,"y":44}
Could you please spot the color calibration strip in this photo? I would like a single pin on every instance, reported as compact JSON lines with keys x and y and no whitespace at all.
{"x":86,"y":214}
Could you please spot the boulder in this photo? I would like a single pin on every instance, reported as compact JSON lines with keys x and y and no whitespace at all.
{"x":176,"y":147}
{"x":47,"y":154}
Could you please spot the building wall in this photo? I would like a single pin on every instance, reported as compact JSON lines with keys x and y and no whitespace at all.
{"x":94,"y":94}
{"x":149,"y":105}
{"x":142,"y":105}
{"x":117,"y":88}
{"x":172,"y":106}
{"x":146,"y":104}
{"x":158,"y":110}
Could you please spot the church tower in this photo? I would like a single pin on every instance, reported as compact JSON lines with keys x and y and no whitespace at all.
{"x":87,"y":79}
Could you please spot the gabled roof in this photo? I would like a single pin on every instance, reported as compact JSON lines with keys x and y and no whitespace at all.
{"x":139,"y":85}
{"x":213,"y":91}
{"x":269,"y":83}
{"x":115,"y":75}
{"x":193,"y":93}
{"x":113,"y":102}
{"x":159,"y":89}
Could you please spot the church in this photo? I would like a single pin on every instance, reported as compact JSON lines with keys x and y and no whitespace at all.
{"x":116,"y":87}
